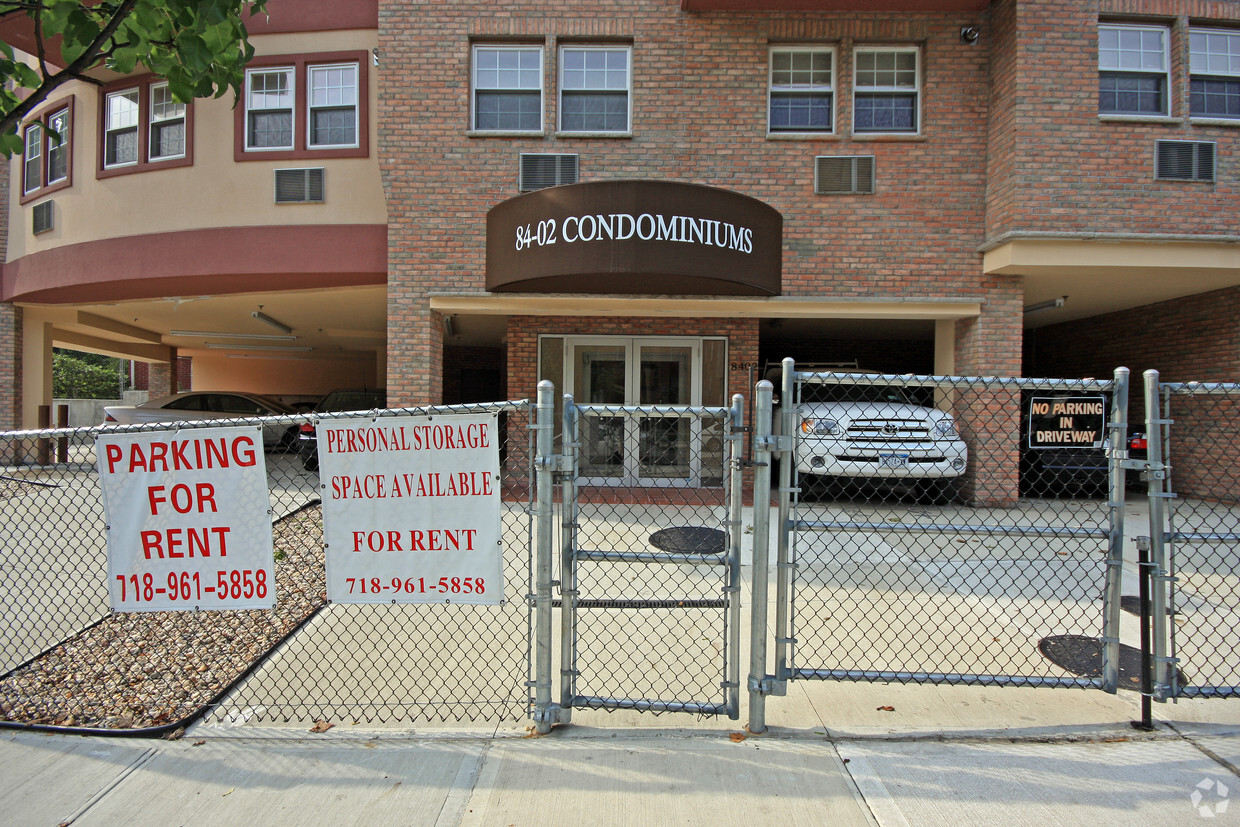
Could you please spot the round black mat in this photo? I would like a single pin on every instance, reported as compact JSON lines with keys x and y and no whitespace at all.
{"x":1082,"y":656}
{"x":690,"y":540}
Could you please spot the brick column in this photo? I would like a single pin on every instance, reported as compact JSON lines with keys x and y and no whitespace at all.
{"x":10,"y":367}
{"x":162,"y":376}
{"x":990,"y":345}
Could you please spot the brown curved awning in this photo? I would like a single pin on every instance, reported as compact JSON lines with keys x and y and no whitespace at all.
{"x":635,"y":237}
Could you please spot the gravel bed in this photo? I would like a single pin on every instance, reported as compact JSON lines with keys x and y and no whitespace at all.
{"x":149,"y":669}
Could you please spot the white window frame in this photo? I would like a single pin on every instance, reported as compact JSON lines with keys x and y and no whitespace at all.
{"x":291,"y":73}
{"x":915,"y":90}
{"x":1115,"y":66}
{"x":32,"y":157}
{"x":476,"y":87}
{"x":564,"y":88}
{"x":312,"y":107}
{"x":1210,"y":65}
{"x":775,"y":89}
{"x":109,"y":129}
{"x":159,"y":121}
{"x":58,"y":142}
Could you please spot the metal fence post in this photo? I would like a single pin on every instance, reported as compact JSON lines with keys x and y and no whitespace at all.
{"x":1115,"y":550}
{"x":736,"y":454}
{"x":1157,"y":490}
{"x":568,"y":561}
{"x":787,"y":464}
{"x":545,"y":462}
{"x":758,"y":685}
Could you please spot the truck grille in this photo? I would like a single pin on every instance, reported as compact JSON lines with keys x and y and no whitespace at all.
{"x":888,"y":430}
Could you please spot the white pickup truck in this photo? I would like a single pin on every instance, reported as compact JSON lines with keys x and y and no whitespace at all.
{"x":873,"y":433}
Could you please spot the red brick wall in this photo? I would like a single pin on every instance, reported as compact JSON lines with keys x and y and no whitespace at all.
{"x":699,"y":115}
{"x":1056,"y":166}
{"x":1206,"y":433}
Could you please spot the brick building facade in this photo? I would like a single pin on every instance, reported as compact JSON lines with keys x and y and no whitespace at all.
{"x":971,"y":187}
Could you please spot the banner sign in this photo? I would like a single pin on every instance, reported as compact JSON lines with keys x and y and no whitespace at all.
{"x":1067,"y":421}
{"x":411,"y":509}
{"x":189,"y":520}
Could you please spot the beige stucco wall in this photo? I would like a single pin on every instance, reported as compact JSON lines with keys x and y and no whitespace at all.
{"x":215,"y":191}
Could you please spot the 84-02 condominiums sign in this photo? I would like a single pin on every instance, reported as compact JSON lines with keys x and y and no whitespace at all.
{"x":653,"y":237}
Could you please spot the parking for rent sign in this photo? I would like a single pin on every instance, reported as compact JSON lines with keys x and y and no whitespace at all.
{"x":189,"y":520}
{"x":411,"y":509}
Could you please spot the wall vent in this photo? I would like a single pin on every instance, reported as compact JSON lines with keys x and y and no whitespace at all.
{"x":42,"y":217}
{"x":844,"y":175}
{"x":299,"y":186}
{"x":1184,"y":160}
{"x":541,"y":170}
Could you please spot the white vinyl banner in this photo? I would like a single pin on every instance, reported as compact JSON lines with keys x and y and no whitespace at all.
{"x":189,"y":519}
{"x":411,"y":509}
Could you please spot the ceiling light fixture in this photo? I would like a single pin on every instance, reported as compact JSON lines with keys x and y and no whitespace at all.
{"x":267,"y":320}
{"x":207,"y":334}
{"x":256,"y":347}
{"x":1046,"y":305}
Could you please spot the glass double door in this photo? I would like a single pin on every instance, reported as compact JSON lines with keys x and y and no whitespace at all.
{"x":645,"y":447}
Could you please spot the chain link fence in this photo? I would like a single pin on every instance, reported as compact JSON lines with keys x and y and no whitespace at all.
{"x":650,"y":558}
{"x":1199,"y":437}
{"x":947,"y":529}
{"x":68,"y":661}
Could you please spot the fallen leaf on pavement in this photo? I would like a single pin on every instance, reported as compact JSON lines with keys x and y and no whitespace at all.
{"x":321,"y":726}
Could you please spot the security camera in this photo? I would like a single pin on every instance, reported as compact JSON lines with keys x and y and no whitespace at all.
{"x":969,"y":34}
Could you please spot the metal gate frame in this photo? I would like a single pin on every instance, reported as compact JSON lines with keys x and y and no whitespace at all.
{"x":768,"y":445}
{"x":1161,"y":550}
{"x":561,"y":472}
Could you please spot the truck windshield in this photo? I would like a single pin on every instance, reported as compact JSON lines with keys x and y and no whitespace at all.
{"x":875,"y":394}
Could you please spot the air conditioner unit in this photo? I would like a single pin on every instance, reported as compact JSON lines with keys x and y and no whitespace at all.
{"x":844,"y":175}
{"x":43,"y":217}
{"x":299,"y":186}
{"x":1184,"y":160}
{"x":541,"y":170}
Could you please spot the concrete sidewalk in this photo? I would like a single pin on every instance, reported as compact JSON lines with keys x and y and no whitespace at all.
{"x":939,"y":755}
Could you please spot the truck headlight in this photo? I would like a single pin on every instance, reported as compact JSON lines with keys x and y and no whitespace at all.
{"x":946,"y":428}
{"x":820,"y":427}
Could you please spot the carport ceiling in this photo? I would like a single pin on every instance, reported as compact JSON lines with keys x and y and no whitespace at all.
{"x":332,"y":323}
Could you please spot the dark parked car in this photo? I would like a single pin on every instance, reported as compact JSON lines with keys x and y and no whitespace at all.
{"x":336,"y":401}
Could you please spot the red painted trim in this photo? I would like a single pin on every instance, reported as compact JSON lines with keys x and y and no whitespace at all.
{"x":197,"y":262}
{"x":300,"y":151}
{"x":314,"y":16}
{"x":143,"y":84}
{"x":41,"y":117}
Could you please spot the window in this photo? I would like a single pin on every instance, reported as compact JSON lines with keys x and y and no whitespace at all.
{"x":333,"y":105}
{"x":269,"y":109}
{"x":1132,"y":70}
{"x":507,"y":84}
{"x":304,"y":106}
{"x":594,"y":89}
{"x":885,"y":93}
{"x":167,"y":139}
{"x":801,"y":89}
{"x":47,"y":147}
{"x":1214,"y":69}
{"x":142,"y":127}
{"x":121,"y":129}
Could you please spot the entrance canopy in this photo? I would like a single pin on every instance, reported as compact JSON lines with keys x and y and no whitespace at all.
{"x":634,"y":237}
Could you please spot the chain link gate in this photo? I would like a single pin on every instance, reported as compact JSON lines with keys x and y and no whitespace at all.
{"x":944,"y":530}
{"x":68,"y":661}
{"x":649,"y":559}
{"x":1192,"y":467}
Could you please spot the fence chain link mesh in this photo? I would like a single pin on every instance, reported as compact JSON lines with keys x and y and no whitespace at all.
{"x":69,"y":661}
{"x":947,"y":530}
{"x":1200,"y":443}
{"x":651,"y":575}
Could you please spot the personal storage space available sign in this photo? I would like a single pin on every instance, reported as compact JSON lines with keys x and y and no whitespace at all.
{"x":189,"y":520}
{"x":411,"y":509}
